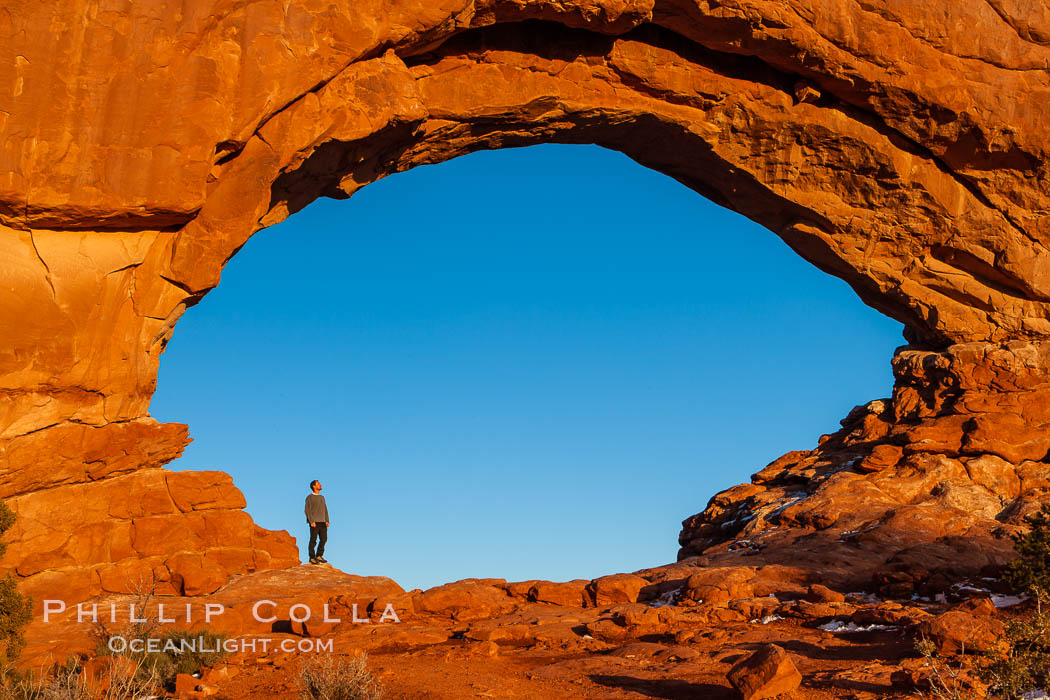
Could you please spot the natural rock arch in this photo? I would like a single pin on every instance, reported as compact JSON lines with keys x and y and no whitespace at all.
{"x":142,"y":148}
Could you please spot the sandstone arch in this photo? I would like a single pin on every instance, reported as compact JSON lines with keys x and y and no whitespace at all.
{"x":142,"y":146}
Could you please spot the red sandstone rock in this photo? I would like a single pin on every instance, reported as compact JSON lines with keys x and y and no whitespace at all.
{"x":996,"y":475}
{"x":617,"y":588}
{"x":755,"y":608}
{"x":719,"y":585}
{"x":186,"y":685}
{"x":572,"y":593}
{"x":136,"y":529}
{"x":955,"y":631}
{"x":218,"y":673}
{"x":918,"y":522}
{"x":315,"y":627}
{"x":462,"y":600}
{"x":520,"y":589}
{"x":979,"y":607}
{"x":608,"y":630}
{"x":190,"y":576}
{"x":822,"y":594}
{"x":881,"y":457}
{"x":765,"y":674}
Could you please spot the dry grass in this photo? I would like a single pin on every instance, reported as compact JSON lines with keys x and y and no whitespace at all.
{"x":68,"y":682}
{"x":327,"y":677}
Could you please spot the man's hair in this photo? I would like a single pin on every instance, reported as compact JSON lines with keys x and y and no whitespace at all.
{"x":312,"y":484}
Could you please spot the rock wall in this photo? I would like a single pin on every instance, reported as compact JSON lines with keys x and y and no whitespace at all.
{"x":901,"y":148}
{"x":914,"y":492}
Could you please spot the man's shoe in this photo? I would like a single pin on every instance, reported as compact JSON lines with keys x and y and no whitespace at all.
{"x":314,"y":560}
{"x":322,"y":560}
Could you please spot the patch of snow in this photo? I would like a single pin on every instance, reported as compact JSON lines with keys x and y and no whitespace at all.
{"x":1036,"y":694}
{"x":843,"y":626}
{"x":853,"y":533}
{"x":878,"y":406}
{"x":940,"y":598}
{"x":792,"y":500}
{"x":766,"y":620}
{"x":1007,"y":601}
{"x":667,"y":598}
{"x":965,"y":587}
{"x":868,"y":598}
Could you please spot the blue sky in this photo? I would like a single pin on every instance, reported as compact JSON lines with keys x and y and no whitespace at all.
{"x":527,"y":363}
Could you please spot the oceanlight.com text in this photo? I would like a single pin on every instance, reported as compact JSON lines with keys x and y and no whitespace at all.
{"x":262,"y":645}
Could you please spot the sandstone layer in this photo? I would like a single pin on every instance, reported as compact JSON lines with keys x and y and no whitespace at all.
{"x":899,"y":147}
{"x":176,"y":533}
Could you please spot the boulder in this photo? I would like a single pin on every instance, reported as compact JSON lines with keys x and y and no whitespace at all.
{"x":462,"y":600}
{"x":617,"y":588}
{"x":569,"y":593}
{"x":822,"y":594}
{"x":766,"y":673}
{"x":956,"y":631}
{"x":720,"y":584}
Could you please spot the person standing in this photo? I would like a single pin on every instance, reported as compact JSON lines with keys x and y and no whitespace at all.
{"x":317,"y":517}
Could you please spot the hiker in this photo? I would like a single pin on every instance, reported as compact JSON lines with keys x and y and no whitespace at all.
{"x":317,"y":516}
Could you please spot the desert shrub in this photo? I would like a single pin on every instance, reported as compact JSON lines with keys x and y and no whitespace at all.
{"x":164,"y":665}
{"x":326,"y":677}
{"x":16,"y":610}
{"x":67,"y":682}
{"x":59,"y":683}
{"x":193,"y":660}
{"x":946,"y":681}
{"x":1023,"y":663}
{"x":1031,"y":570}
{"x":160,"y":666}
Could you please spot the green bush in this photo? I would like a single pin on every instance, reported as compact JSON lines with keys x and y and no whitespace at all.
{"x":16,"y":610}
{"x":1021,"y":663}
{"x":1031,"y":571}
{"x":1024,"y":662}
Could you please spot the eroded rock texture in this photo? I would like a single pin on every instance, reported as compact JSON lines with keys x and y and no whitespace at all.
{"x":901,"y":147}
{"x":914,"y":492}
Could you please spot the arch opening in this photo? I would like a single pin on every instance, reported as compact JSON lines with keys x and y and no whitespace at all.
{"x":527,"y":363}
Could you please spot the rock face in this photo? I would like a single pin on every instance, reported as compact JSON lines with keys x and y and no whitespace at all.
{"x":141,"y":147}
{"x":914,"y":492}
{"x":179,"y":533}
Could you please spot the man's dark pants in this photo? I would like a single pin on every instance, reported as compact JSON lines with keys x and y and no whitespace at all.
{"x":318,"y":536}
